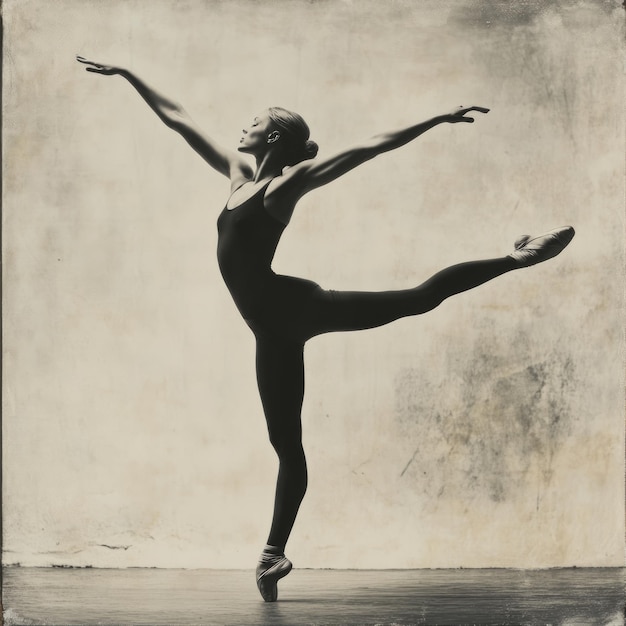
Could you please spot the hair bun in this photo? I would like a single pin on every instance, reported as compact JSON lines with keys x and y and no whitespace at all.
{"x":310,"y":148}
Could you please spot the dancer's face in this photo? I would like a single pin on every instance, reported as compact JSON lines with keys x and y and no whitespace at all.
{"x":259,"y":136}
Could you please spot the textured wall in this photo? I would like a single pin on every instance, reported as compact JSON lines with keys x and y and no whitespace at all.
{"x":486,"y":433}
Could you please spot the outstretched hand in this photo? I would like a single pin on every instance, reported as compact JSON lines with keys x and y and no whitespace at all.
{"x":459,"y":114}
{"x":98,"y":68}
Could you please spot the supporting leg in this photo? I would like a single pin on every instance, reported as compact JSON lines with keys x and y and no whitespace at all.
{"x":280,"y":377}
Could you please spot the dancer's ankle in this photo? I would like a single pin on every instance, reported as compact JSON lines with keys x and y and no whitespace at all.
{"x":278,"y":550}
{"x":270,"y":556}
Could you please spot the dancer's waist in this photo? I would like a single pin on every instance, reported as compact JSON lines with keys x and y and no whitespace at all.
{"x":248,"y":289}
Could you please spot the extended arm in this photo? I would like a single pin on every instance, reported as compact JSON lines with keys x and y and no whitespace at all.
{"x":172,"y":114}
{"x":312,"y":174}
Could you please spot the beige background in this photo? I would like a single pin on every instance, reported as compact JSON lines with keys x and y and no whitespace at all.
{"x":487,"y":433}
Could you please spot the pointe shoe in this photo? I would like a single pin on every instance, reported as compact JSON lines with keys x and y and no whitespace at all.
{"x":267,"y":579}
{"x":532,"y":250}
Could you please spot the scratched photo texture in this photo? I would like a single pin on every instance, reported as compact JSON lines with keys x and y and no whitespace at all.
{"x":487,"y":433}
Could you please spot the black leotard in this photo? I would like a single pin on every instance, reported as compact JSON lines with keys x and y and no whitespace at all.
{"x":248,"y":237}
{"x":269,"y":302}
{"x":287,"y":309}
{"x":283,"y":312}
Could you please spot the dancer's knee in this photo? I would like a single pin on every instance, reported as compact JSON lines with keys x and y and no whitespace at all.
{"x":292,"y":463}
{"x":286,"y":444}
{"x":426,"y":299}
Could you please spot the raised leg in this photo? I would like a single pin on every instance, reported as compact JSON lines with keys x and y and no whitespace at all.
{"x":300,"y":309}
{"x":357,"y":310}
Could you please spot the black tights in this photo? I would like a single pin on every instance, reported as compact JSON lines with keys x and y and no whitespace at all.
{"x":305,"y":310}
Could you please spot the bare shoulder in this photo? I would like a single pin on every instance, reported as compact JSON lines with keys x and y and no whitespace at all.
{"x":284,"y":191}
{"x":291,"y":181}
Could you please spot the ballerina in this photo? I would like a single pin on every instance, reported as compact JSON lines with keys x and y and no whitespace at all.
{"x":284,"y":312}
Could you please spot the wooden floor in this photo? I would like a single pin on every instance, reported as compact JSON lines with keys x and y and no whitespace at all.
{"x":567,"y":597}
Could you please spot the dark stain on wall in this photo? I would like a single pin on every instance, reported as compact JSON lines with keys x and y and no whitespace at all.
{"x":491,"y":427}
{"x":533,"y":47}
{"x":484,"y":13}
{"x":490,"y":13}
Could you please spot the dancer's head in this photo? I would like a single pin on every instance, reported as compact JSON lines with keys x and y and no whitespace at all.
{"x":281,"y":131}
